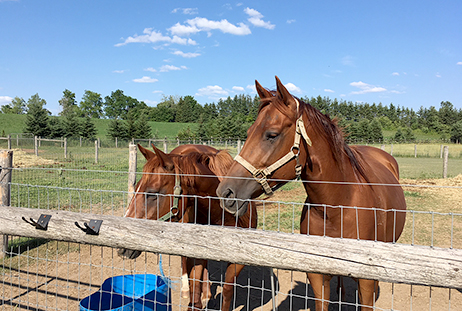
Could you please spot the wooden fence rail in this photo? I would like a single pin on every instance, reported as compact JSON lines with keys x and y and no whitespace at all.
{"x":387,"y":262}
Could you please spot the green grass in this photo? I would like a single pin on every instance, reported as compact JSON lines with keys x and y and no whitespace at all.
{"x":15,"y":123}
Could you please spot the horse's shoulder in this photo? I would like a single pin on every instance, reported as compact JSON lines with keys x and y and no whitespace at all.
{"x":376,"y":158}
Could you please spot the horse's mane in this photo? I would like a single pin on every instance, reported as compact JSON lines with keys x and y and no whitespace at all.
{"x":190,"y":166}
{"x":332,"y":133}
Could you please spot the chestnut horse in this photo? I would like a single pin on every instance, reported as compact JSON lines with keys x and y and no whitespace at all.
{"x":196,"y":170}
{"x":292,"y":139}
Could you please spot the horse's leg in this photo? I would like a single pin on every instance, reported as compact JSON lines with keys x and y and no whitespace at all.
{"x":206,"y":290}
{"x":321,"y":288}
{"x":184,"y":278}
{"x":195,"y":269}
{"x":232,"y":272}
{"x":368,"y":290}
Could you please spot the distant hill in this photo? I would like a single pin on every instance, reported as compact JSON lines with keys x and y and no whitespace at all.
{"x":15,"y":123}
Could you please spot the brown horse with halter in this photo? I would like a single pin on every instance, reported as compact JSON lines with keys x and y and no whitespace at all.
{"x":180,"y":187}
{"x":292,"y":139}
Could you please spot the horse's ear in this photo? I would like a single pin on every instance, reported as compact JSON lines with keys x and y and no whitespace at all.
{"x":164,"y":159}
{"x":284,"y":94}
{"x":262,"y":92}
{"x":148,"y":154}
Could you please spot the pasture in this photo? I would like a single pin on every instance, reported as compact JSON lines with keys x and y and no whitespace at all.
{"x":65,"y":272}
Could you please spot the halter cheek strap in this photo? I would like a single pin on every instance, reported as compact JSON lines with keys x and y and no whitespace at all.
{"x":261,"y":175}
{"x":173,"y":213}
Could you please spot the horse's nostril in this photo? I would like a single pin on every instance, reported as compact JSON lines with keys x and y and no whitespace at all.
{"x":229,"y":194}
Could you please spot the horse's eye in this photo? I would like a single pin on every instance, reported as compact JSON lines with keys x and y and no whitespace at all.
{"x":271,"y":136}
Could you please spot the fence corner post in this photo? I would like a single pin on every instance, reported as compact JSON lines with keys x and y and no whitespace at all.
{"x":132,"y":161}
{"x":6,"y":163}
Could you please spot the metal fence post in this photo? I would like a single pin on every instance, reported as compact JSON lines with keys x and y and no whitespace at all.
{"x":445,"y":162}
{"x":131,"y":172}
{"x":6,"y":163}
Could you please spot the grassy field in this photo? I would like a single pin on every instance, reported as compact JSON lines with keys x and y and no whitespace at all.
{"x":15,"y":123}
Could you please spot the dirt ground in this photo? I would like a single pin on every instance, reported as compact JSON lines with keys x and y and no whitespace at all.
{"x":60,"y":280}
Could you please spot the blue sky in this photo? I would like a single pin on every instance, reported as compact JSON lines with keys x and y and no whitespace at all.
{"x":408,"y":53}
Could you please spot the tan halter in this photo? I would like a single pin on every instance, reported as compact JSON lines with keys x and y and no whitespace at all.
{"x":261,"y":175}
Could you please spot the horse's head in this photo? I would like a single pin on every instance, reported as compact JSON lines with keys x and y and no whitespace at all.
{"x":157,"y":194}
{"x":272,"y":150}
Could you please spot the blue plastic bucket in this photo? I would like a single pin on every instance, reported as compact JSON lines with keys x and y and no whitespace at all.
{"x":130,"y":292}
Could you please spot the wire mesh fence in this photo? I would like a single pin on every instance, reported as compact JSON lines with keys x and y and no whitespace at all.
{"x":45,"y":274}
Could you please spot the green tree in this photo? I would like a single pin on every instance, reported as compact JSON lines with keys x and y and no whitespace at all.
{"x":375,"y":131}
{"x":37,"y":117}
{"x":67,"y":102}
{"x":87,"y":129}
{"x":118,"y":105}
{"x":143,"y":129}
{"x":165,"y":111}
{"x":186,"y":133}
{"x":188,"y":110}
{"x":91,"y":105}
{"x":56,"y":127}
{"x":456,"y":132}
{"x":399,"y":136}
{"x":117,"y":128}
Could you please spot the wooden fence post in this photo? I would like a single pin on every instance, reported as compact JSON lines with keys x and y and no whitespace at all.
{"x":238,"y":146}
{"x":415,"y":151}
{"x":17,"y":140}
{"x":445,"y":162}
{"x":96,"y":151}
{"x":9,"y":141}
{"x":36,"y":145}
{"x":65,"y":147}
{"x":116,"y":142}
{"x":165,"y":145}
{"x":6,"y":162}
{"x":382,"y":147}
{"x":391,"y":150}
{"x":131,"y":172}
{"x":177,"y":141}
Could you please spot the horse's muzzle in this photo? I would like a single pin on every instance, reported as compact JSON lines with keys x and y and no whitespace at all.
{"x":128,"y":253}
{"x":229,"y":203}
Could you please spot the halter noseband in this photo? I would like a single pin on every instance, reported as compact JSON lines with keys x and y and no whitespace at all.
{"x":261,"y":175}
{"x":173,"y":213}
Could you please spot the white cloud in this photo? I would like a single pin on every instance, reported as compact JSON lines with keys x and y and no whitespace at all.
{"x":290,"y":21}
{"x":152,"y":36}
{"x":252,"y":88}
{"x":4,"y":100}
{"x":292,"y":88}
{"x":150,"y":69}
{"x":238,"y":89}
{"x":145,"y":79}
{"x":202,"y":24}
{"x":329,"y":91}
{"x":157,"y":92}
{"x":166,"y":68}
{"x":348,"y":60}
{"x":186,"y":55}
{"x":395,"y":74}
{"x":438,"y":75}
{"x":187,"y":11}
{"x":366,"y":88}
{"x":213,"y":91}
{"x":459,"y":63}
{"x":118,"y":71}
{"x":255,"y":18}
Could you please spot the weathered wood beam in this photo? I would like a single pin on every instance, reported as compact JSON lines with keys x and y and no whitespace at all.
{"x":387,"y":262}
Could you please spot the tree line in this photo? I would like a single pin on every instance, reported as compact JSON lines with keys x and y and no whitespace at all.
{"x":229,"y":118}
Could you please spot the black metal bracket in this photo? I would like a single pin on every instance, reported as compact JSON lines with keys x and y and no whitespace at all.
{"x":92,"y":228}
{"x":41,"y":223}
